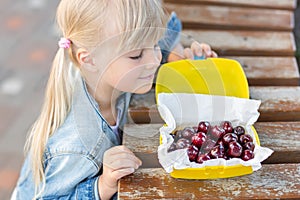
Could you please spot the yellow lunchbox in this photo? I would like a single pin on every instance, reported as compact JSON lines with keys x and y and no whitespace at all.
{"x":214,"y":76}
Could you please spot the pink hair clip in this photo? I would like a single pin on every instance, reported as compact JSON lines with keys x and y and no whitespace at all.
{"x":64,"y":43}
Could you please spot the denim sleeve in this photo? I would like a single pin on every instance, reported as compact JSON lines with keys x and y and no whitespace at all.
{"x":171,"y":37}
{"x":71,"y":176}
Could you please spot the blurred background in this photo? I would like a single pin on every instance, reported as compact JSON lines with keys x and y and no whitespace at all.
{"x":28,"y":42}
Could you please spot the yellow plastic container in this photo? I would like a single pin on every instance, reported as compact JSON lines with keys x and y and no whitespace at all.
{"x":214,"y":76}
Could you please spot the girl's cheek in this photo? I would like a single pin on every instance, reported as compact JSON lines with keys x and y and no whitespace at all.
{"x":159,"y":55}
{"x":129,"y":76}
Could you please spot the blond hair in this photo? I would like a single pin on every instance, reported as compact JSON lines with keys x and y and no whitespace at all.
{"x":82,"y":21}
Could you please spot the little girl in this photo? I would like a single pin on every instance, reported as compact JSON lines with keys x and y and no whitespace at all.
{"x":108,"y":50}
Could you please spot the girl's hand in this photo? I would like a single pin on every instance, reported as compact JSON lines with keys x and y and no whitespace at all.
{"x":196,"y":49}
{"x":199,"y":50}
{"x":118,"y":162}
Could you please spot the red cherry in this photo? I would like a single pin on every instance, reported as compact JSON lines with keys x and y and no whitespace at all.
{"x":227,"y":126}
{"x":187,"y":133}
{"x":217,"y":132}
{"x":245,"y":138}
{"x":217,"y":152}
{"x":229,"y":137}
{"x":249,"y":146}
{"x":203,"y":127}
{"x":226,"y":157}
{"x":208,"y":145}
{"x":182,"y":143}
{"x":198,"y":139}
{"x":239,"y":130}
{"x":192,"y":152}
{"x":220,"y":142}
{"x":202,"y":157}
{"x":247,"y":155}
{"x":234,"y":149}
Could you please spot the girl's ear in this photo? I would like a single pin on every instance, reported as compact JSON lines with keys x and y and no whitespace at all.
{"x":86,"y":60}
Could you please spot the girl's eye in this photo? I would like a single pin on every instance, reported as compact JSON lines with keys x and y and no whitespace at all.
{"x":137,"y":57}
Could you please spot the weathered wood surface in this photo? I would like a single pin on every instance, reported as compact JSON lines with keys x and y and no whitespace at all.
{"x":282,"y":137}
{"x":272,"y":4}
{"x":278,"y":104}
{"x":243,"y":43}
{"x":275,"y":181}
{"x":235,"y":29}
{"x":227,"y":17}
{"x":143,"y":140}
{"x":270,"y":71}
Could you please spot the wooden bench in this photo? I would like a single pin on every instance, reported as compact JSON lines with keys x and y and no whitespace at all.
{"x":227,"y":17}
{"x":282,"y":137}
{"x":272,"y":4}
{"x":271,"y":182}
{"x":278,"y":104}
{"x":243,"y":43}
{"x":265,"y":48}
{"x":269,"y":71}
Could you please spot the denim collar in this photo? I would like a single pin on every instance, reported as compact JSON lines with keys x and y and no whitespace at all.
{"x":119,"y":105}
{"x":87,"y":117}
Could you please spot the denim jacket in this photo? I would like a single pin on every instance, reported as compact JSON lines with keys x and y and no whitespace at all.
{"x":171,"y":37}
{"x":74,"y":153}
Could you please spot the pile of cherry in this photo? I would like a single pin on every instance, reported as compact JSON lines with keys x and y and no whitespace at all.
{"x":206,"y":142}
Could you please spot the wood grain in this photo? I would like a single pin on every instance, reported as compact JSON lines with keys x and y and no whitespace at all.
{"x":227,"y":17}
{"x":278,"y":104}
{"x":270,"y":71}
{"x":272,"y":4}
{"x":243,"y":43}
{"x":270,"y":182}
{"x":282,"y":137}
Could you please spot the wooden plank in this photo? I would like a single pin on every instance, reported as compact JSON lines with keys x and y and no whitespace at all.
{"x":272,"y":4}
{"x":143,"y":140}
{"x":278,"y":104}
{"x":226,"y":17}
{"x":282,"y":137}
{"x":270,"y":71}
{"x":243,"y":43}
{"x":143,"y":109}
{"x":281,"y":181}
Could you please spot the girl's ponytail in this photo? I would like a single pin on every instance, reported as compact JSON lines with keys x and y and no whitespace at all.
{"x":85,"y":23}
{"x":54,"y":110}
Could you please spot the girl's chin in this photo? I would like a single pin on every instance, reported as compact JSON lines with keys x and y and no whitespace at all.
{"x":144,"y":89}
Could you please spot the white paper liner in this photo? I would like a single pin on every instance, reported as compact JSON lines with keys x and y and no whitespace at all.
{"x":181,"y":110}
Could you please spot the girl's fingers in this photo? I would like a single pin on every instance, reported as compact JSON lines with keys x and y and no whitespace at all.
{"x":121,"y":164}
{"x":121,"y":173}
{"x":200,"y":49}
{"x":197,"y":49}
{"x":207,"y":50}
{"x":112,"y":162}
{"x":117,"y":149}
{"x":188,"y":53}
{"x":214,"y":54}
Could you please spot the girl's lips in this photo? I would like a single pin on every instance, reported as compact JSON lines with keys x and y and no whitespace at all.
{"x":149,"y":77}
